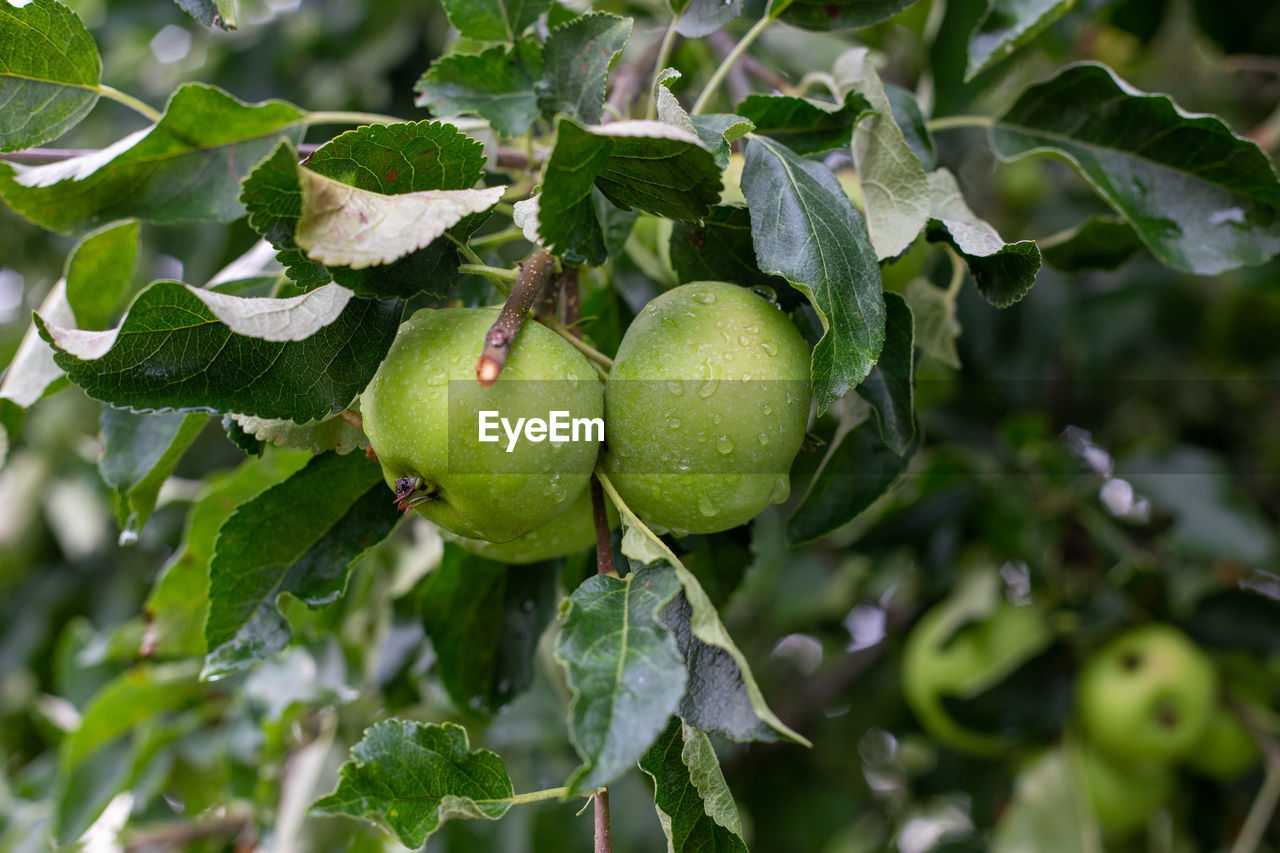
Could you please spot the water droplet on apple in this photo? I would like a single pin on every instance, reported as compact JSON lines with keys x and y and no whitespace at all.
{"x":674,"y":423}
{"x":704,"y":297}
{"x":706,"y":389}
{"x":781,"y":490}
{"x":706,"y":507}
{"x":676,"y":387}
{"x":764,"y":439}
{"x":770,"y":348}
{"x":724,"y":445}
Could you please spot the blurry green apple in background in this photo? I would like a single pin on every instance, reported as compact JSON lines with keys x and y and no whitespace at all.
{"x":1147,"y":695}
{"x":474,"y":489}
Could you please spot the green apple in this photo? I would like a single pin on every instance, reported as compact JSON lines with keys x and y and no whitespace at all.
{"x":942,"y":659}
{"x":1147,"y":695}
{"x":569,"y":532}
{"x":1123,"y":796}
{"x":423,"y":412}
{"x":1226,"y":749}
{"x":706,"y":407}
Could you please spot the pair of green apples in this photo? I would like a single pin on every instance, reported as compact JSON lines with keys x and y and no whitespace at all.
{"x":704,"y":410}
{"x":1145,"y":702}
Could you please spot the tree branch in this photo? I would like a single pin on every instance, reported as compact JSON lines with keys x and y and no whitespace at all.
{"x":628,"y":80}
{"x":570,"y":301}
{"x":497,"y":342}
{"x":604,"y":538}
{"x":604,"y":840}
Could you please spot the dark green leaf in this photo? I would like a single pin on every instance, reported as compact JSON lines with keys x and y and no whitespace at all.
{"x":889,"y":388}
{"x":139,"y":452}
{"x":858,"y":468}
{"x":299,"y":537}
{"x":411,"y":778}
{"x":695,"y":807}
{"x":718,"y":130}
{"x":388,"y":159}
{"x":577,"y":57}
{"x":805,"y":229}
{"x":1004,"y":272}
{"x":716,"y":698}
{"x":895,"y":189}
{"x":623,"y":667}
{"x":211,"y":13}
{"x":840,"y":14}
{"x":1239,"y":619}
{"x":1007,"y":26}
{"x":183,"y":348}
{"x":649,"y":165}
{"x":187,"y":167}
{"x":804,"y":125}
{"x":494,"y":20}
{"x":179,"y":602}
{"x":700,"y":18}
{"x":100,"y":273}
{"x":1101,"y":243}
{"x":497,"y":85}
{"x":1202,"y":199}
{"x":49,"y":72}
{"x":910,"y":120}
{"x":484,"y":620}
{"x":720,"y":249}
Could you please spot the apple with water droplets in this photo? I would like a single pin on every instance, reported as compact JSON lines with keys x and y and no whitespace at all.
{"x":422,"y":413}
{"x":706,"y":408}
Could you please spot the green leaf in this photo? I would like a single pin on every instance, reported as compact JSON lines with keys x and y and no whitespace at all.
{"x":694,"y":804}
{"x":719,"y":249}
{"x":494,"y":20}
{"x":716,"y":697}
{"x":212,"y":13}
{"x":623,"y":668}
{"x":805,"y":125}
{"x":857,"y":469}
{"x":182,"y":348}
{"x":32,"y":372}
{"x":100,"y":274}
{"x":127,"y":701}
{"x":411,"y":778}
{"x":299,"y":537}
{"x":889,"y":388}
{"x":1202,"y":199}
{"x":652,"y":166}
{"x":936,"y":325}
{"x":1004,"y":272}
{"x":1046,"y":812}
{"x":641,"y":545}
{"x":577,"y":57}
{"x":178,"y":605}
{"x":497,"y":85}
{"x":805,"y":230}
{"x":387,"y":159}
{"x":910,"y":120}
{"x":334,"y":433}
{"x":342,"y":225}
{"x":716,"y":130}
{"x":186,"y":167}
{"x":701,"y":18}
{"x":1100,"y":243}
{"x":1007,"y":26}
{"x":895,"y":189}
{"x":139,"y":452}
{"x":840,"y":14}
{"x":49,"y":73}
{"x":485,"y":620}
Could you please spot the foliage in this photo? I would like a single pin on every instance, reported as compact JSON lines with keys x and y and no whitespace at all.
{"x":1039,"y":285}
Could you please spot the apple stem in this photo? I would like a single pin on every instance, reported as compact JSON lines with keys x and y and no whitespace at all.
{"x":604,"y":538}
{"x":502,"y":334}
